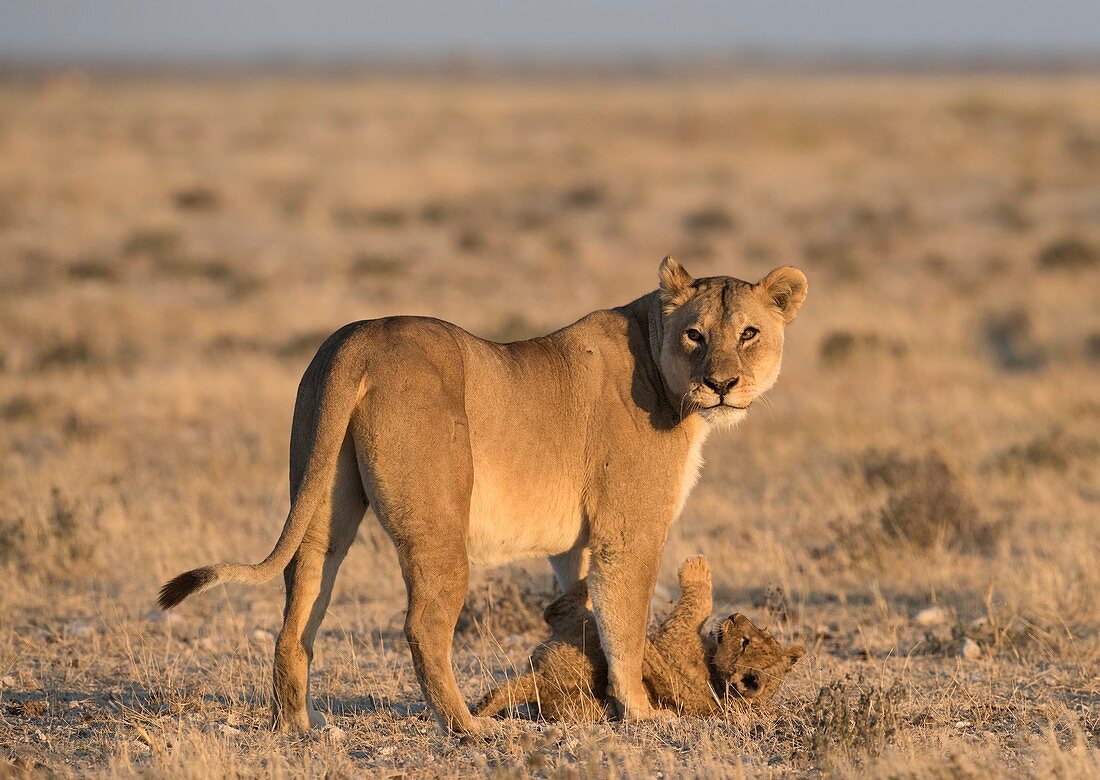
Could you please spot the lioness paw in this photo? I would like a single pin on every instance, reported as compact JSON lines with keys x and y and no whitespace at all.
{"x":695,"y":570}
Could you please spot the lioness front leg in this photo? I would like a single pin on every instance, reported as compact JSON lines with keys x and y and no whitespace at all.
{"x":621,"y":583}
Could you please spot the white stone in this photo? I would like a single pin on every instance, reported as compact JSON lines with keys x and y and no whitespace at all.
{"x":931,"y":616}
{"x":970,"y":649}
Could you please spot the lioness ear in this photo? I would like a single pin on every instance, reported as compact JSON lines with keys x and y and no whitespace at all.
{"x":675,"y":284}
{"x":785,"y":289}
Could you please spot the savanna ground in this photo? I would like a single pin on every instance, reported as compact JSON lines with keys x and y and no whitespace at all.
{"x":917,"y":504}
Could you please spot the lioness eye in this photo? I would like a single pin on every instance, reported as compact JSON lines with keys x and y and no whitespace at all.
{"x":748,"y":334}
{"x":694,"y":335}
{"x":745,"y":642}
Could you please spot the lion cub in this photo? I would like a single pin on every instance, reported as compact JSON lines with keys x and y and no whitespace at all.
{"x":683,"y":670}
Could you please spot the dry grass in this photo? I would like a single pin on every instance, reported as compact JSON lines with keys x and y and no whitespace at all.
{"x":172,"y":252}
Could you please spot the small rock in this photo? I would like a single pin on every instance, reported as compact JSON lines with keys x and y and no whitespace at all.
{"x":334,"y":734}
{"x":79,"y":630}
{"x":969,"y":649}
{"x":931,"y":616}
{"x":263,"y":636}
{"x":225,"y":728}
{"x":164,"y":618}
{"x":7,"y":681}
{"x":388,"y":750}
{"x":137,"y":747}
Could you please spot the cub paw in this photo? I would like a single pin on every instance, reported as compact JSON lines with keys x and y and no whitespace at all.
{"x":695,"y":570}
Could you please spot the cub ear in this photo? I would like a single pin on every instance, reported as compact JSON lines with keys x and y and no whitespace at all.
{"x":741,"y":621}
{"x":785,"y":289}
{"x":795,"y":652}
{"x":675,"y":284}
{"x":735,"y":626}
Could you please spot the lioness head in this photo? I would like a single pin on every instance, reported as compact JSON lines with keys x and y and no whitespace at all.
{"x":749,"y":662}
{"x":723,"y":338}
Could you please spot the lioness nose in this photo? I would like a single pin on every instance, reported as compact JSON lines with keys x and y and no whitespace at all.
{"x":721,"y":386}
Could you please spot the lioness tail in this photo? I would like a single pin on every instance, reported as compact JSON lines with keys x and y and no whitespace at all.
{"x":338,"y":376}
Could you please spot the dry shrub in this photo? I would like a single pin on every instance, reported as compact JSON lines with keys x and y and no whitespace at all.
{"x":714,"y":219}
{"x":470,"y":241}
{"x":838,"y":256}
{"x":926,"y":505}
{"x":28,"y":708}
{"x":501,"y":606}
{"x":1010,"y":337}
{"x":196,"y":199}
{"x":1069,"y":254}
{"x":849,"y":725}
{"x":374,"y":265}
{"x":513,"y":326}
{"x":1054,"y":450}
{"x":584,"y":196}
{"x":182,"y":267}
{"x":1092,"y":347}
{"x":301,"y":345}
{"x":841,"y":347}
{"x":73,"y":353}
{"x":21,"y":407}
{"x":153,"y":242}
{"x":349,"y":216}
{"x":92,"y":270}
{"x":57,"y":534}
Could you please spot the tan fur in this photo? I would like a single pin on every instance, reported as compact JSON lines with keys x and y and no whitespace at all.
{"x":683,"y":671}
{"x":576,"y":446}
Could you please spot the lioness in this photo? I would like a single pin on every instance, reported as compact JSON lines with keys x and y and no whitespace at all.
{"x":581,"y":446}
{"x":683,"y":670}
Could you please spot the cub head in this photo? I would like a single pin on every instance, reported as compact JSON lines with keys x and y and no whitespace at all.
{"x":723,"y":338}
{"x":749,"y":663}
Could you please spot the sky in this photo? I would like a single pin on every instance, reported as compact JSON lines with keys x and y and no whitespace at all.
{"x":319,"y":29}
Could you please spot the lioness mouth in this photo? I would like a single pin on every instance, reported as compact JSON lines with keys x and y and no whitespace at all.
{"x":720,"y":404}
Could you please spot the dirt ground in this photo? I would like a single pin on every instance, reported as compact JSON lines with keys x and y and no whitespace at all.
{"x":917,"y":504}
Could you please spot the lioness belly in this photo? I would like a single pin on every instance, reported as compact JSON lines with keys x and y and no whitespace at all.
{"x":532,"y":519}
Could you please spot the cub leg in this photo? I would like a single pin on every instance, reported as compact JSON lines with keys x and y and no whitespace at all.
{"x":624,"y":573}
{"x":516,"y":691}
{"x":570,"y":566}
{"x":309,"y":578}
{"x":695,"y":604}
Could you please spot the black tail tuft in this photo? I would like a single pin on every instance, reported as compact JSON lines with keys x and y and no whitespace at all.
{"x":179,"y":588}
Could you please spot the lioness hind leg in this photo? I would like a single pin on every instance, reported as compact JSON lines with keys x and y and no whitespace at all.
{"x":436,"y":572}
{"x":309,"y":580}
